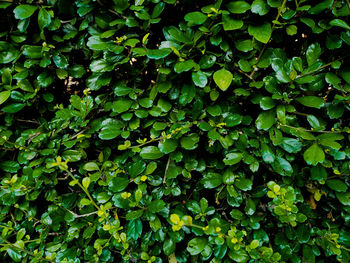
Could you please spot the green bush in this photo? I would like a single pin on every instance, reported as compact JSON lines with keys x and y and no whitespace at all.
{"x":174,"y":131}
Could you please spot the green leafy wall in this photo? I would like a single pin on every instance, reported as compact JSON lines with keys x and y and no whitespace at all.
{"x":174,"y":131}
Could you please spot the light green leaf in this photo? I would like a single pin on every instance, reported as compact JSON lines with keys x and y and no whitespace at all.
{"x":261,"y":32}
{"x":4,"y":95}
{"x":168,"y":146}
{"x":196,"y":18}
{"x":230,"y":23}
{"x":238,"y":7}
{"x":260,"y":7}
{"x":314,"y":155}
{"x":111,"y":128}
{"x":223,"y":78}
{"x":232,"y":158}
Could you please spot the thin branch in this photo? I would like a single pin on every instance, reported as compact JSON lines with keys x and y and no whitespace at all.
{"x":302,"y":129}
{"x":84,"y":215}
{"x":165,"y":172}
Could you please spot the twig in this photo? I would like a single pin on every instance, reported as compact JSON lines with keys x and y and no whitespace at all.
{"x":302,"y":129}
{"x":84,"y":215}
{"x":165,"y":172}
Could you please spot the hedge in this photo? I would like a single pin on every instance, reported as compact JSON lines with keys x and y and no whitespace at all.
{"x":174,"y":131}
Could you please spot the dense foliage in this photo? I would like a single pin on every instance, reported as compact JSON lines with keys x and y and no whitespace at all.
{"x":174,"y":131}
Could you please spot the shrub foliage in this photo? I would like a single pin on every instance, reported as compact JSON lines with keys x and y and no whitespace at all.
{"x":174,"y":131}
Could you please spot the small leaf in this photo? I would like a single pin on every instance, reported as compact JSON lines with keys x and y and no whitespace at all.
{"x":196,"y":245}
{"x":230,"y":23}
{"x":337,"y":185}
{"x":340,"y":23}
{"x":313,"y":52}
{"x":223,"y":78}
{"x":311,"y":101}
{"x":151,"y":153}
{"x":238,"y":7}
{"x":24,"y":11}
{"x":196,"y":18}
{"x":44,"y":18}
{"x":265,"y":120}
{"x":314,"y":155}
{"x":4,"y":95}
{"x":261,"y":32}
{"x":233,"y":158}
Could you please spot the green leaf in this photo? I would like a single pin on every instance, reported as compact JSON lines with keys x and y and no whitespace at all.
{"x":91,"y":166}
{"x":265,"y":120}
{"x":337,"y":185}
{"x":158,"y":53}
{"x":314,"y":155}
{"x":260,"y":7}
{"x":151,"y":153}
{"x":238,"y":7}
{"x":156,"y":206}
{"x":243,"y":184}
{"x":4,"y":95}
{"x":291,"y":145}
{"x":118,"y":184}
{"x":223,"y":78}
{"x":278,"y":66}
{"x":303,"y":234}
{"x":111,"y":128}
{"x":343,"y":198}
{"x":244,"y":45}
{"x":121,"y":105}
{"x":25,"y":85}
{"x":168,"y":146}
{"x":230,"y":23}
{"x":44,"y":18}
{"x":190,"y":142}
{"x":232,"y":158}
{"x":196,"y":18}
{"x":267,"y":103}
{"x":239,"y":256}
{"x":199,"y":79}
{"x":313,"y":52}
{"x":24,"y":11}
{"x":318,"y":173}
{"x":134,"y":228}
{"x":72,"y":155}
{"x":196,"y":245}
{"x":311,"y":101}
{"x":340,"y":23}
{"x":211,"y":180}
{"x":320,"y":7}
{"x":169,"y":247}
{"x":136,"y":168}
{"x":10,"y":166}
{"x":261,"y":32}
